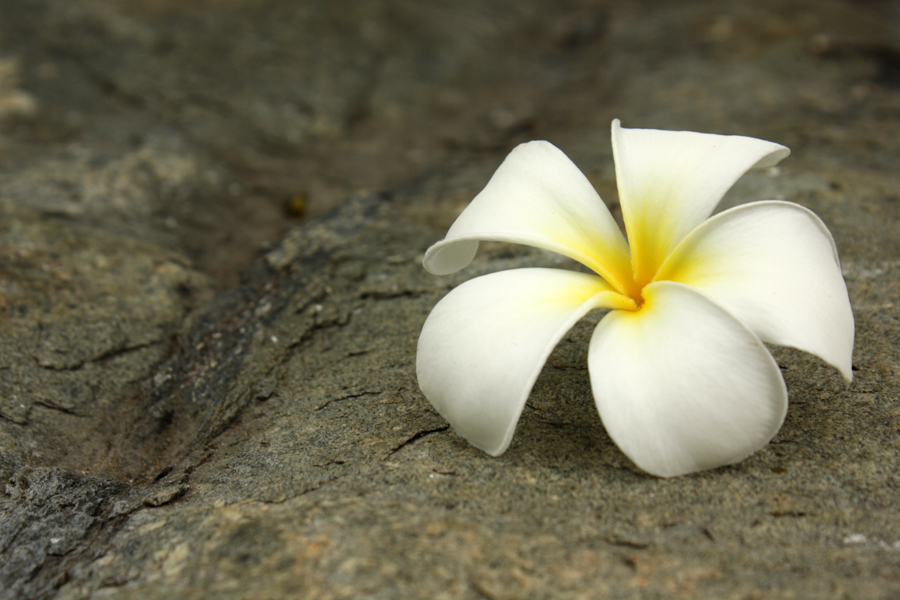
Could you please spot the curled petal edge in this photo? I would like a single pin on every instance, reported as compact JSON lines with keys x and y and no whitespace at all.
{"x":670,"y":181}
{"x":537,"y":197}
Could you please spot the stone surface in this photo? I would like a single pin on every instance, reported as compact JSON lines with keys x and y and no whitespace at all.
{"x":203,"y":394}
{"x":86,"y":315}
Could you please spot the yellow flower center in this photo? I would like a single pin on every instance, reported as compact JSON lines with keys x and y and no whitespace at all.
{"x":630,"y":285}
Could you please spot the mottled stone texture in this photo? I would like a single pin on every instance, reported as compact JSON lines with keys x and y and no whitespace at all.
{"x":212,"y":217}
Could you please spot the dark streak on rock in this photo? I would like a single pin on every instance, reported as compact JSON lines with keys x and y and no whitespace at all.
{"x":418,"y":436}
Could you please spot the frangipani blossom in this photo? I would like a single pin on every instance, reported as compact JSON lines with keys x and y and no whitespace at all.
{"x":679,"y":372}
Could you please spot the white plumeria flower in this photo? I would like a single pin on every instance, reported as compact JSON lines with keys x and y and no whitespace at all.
{"x":678,"y":368}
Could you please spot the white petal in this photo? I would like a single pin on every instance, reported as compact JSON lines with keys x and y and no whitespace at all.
{"x":484,"y":344}
{"x":537,"y":197}
{"x":670,"y":182}
{"x":773,"y":265}
{"x":683,"y":386}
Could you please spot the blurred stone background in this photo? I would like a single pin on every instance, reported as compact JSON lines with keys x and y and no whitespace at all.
{"x":212,"y":216}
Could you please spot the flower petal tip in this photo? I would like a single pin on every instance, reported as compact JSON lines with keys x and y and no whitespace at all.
{"x":449,"y":256}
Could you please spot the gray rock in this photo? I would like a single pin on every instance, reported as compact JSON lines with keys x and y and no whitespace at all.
{"x":87,"y":315}
{"x":270,"y":441}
